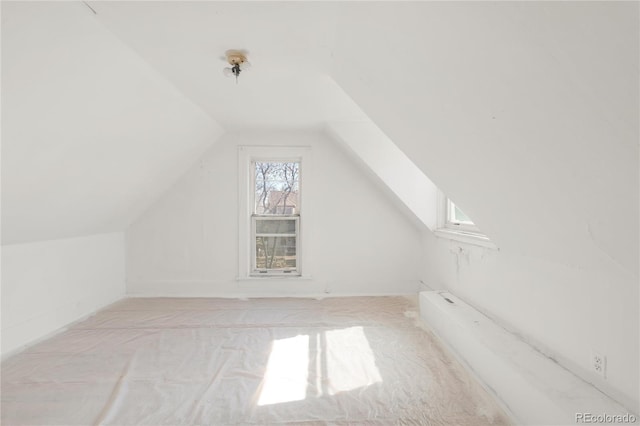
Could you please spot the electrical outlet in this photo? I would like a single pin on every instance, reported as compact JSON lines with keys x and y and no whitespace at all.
{"x":599,"y":364}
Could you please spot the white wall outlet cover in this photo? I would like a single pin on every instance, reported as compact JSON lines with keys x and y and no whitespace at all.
{"x":599,"y":364}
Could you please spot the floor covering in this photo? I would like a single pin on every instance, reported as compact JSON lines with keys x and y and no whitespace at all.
{"x":211,"y":361}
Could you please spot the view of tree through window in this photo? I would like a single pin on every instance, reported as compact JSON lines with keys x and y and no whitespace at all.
{"x":277,"y":191}
{"x":276,"y":243}
{"x":277,"y":187}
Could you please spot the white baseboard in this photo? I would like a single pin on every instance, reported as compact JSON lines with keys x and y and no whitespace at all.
{"x":292,"y":287}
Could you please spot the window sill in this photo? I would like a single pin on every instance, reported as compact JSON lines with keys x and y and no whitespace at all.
{"x":275,"y":277}
{"x":466,"y":237}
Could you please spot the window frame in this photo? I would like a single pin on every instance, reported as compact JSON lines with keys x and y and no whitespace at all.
{"x":464,"y":232}
{"x":254,"y":271}
{"x":247,"y":157}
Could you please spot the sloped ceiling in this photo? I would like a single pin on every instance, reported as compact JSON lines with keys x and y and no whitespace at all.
{"x":525,"y":114}
{"x":105,"y":104}
{"x":289,"y":43}
{"x":91,"y":134}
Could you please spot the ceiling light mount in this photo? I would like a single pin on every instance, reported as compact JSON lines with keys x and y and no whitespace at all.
{"x":238,"y":61}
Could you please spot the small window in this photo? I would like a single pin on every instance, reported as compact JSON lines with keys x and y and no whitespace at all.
{"x":275,"y":218}
{"x":458,"y":220}
{"x":454,"y":224}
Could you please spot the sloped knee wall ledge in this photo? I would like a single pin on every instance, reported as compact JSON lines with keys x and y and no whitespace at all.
{"x":534,"y":388}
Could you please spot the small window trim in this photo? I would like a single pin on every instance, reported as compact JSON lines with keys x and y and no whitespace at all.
{"x":455,"y":230}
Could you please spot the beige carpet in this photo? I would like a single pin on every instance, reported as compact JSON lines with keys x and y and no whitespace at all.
{"x":359,"y":360}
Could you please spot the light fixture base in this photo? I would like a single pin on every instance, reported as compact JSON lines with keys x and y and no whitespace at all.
{"x":236,"y":57}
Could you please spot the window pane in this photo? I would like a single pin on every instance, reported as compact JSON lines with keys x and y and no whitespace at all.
{"x":277,"y":187}
{"x":275,"y":252}
{"x":459,"y":216}
{"x":270,"y":226}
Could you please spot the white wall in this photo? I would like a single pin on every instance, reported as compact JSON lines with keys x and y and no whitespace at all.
{"x":564,"y":311}
{"x":47,"y":285}
{"x":526,"y":115}
{"x":187,"y":243}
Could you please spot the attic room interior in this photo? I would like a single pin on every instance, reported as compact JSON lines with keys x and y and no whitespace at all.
{"x":232,"y":213}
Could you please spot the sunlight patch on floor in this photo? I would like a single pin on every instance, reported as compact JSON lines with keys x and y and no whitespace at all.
{"x":350,"y":360}
{"x":287,"y":371}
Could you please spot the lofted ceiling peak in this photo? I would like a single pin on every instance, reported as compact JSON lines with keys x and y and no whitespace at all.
{"x":289,"y":46}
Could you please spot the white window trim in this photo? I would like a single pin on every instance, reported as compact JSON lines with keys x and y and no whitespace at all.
{"x":458,"y":231}
{"x":246,"y":156}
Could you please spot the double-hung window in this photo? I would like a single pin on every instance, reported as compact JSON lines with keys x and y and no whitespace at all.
{"x":275,"y":218}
